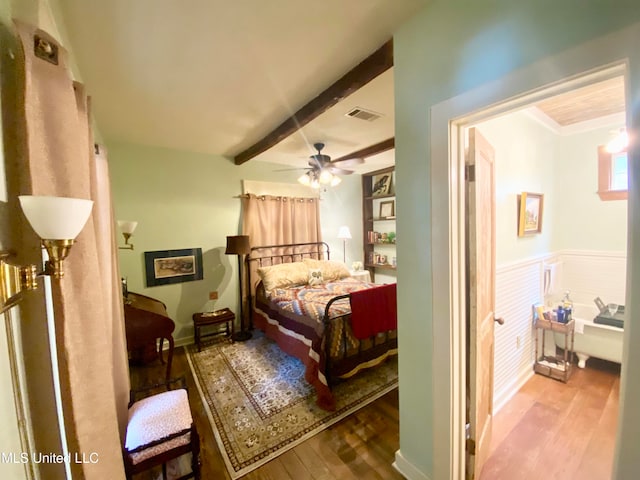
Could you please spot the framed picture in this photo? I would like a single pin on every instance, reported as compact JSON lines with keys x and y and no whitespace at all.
{"x":381,"y":184}
{"x":173,"y":266}
{"x":529,"y":213}
{"x":387,"y":209}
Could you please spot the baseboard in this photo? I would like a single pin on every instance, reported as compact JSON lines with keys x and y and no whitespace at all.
{"x":504,"y":398}
{"x":407,"y":469}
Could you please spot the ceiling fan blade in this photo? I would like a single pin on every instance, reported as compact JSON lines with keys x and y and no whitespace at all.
{"x":340,"y":171}
{"x":290,"y":169}
{"x":349,"y":162}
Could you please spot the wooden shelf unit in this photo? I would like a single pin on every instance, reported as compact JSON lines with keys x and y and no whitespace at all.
{"x":371,"y":217}
{"x":554,"y":366}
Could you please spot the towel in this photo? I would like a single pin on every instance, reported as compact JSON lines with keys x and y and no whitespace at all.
{"x":579,"y":325}
{"x":374,"y":311}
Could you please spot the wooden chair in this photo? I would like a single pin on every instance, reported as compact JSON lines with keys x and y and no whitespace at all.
{"x":160,"y":428}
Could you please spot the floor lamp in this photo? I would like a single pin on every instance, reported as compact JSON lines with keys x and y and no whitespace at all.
{"x":344,"y":234}
{"x":239,"y":245}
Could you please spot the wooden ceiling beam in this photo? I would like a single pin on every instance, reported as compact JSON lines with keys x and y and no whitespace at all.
{"x":380,"y":147}
{"x":375,"y":64}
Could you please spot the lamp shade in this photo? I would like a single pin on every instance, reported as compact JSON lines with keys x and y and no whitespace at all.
{"x":344,"y":232}
{"x":127,"y":226}
{"x":238,"y":245}
{"x":56,"y":218}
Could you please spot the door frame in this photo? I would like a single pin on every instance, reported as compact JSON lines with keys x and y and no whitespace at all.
{"x":590,"y":62}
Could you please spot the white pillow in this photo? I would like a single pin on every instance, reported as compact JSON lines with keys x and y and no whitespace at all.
{"x":331,"y":271}
{"x":284,"y":275}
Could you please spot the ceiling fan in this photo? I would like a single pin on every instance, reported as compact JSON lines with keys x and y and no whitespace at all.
{"x":322,"y":171}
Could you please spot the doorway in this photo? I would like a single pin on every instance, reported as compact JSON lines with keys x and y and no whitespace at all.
{"x":530,"y":157}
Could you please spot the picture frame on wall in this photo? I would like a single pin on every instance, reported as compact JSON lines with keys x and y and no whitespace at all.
{"x":163,"y":267}
{"x":530,"y":210}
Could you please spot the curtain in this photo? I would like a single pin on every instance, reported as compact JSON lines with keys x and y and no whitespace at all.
{"x":59,"y":159}
{"x":270,"y":220}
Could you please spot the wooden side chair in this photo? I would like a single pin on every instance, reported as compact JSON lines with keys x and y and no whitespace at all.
{"x":160,"y":428}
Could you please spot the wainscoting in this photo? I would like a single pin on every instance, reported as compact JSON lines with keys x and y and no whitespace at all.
{"x":586,"y":274}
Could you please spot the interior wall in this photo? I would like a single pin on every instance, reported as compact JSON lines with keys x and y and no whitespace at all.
{"x":525,"y":161}
{"x":190,"y":200}
{"x":484,"y":43}
{"x":583,"y":221}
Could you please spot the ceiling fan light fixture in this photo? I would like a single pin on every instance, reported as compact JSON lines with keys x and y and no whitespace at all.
{"x":315,"y":183}
{"x":304,"y":179}
{"x":335,"y":181}
{"x":325,"y":176}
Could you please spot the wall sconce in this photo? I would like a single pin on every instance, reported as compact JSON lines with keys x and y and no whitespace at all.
{"x":127,"y":227}
{"x":57,"y":221}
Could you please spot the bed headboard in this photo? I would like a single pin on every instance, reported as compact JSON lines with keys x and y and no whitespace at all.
{"x":267,"y":255}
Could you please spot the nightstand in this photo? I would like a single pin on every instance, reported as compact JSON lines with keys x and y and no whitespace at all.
{"x":362,"y":275}
{"x":204,"y":319}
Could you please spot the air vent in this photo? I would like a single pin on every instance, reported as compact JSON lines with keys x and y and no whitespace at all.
{"x":363,"y":114}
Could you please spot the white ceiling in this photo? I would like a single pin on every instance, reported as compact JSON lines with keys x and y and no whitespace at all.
{"x":215,"y":76}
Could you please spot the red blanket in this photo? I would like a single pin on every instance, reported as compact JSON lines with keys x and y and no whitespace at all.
{"x":374,"y":311}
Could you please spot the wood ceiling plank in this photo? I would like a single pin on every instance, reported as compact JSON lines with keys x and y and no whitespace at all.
{"x":375,"y":64}
{"x":593,"y":101}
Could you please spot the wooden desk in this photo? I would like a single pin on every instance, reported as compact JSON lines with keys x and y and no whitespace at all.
{"x":202,"y":319}
{"x":146,"y":321}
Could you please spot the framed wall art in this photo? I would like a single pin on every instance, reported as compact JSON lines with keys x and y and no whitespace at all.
{"x":530,"y":208}
{"x":387,"y":209}
{"x":173,"y":266}
{"x":382,"y":184}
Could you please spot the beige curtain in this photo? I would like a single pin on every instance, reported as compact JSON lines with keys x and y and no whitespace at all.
{"x":59,"y":160}
{"x":270,"y":220}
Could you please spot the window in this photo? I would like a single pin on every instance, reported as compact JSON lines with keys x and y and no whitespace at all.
{"x":612,"y":174}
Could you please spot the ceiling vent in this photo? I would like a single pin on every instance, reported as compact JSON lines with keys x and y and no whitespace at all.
{"x":363,"y":114}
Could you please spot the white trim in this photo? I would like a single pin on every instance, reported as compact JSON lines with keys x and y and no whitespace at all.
{"x":407,"y":469}
{"x":612,"y":120}
{"x":575,"y":67}
{"x":509,"y":394}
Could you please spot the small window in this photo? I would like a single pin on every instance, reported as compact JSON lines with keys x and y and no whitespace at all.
{"x":612,"y":174}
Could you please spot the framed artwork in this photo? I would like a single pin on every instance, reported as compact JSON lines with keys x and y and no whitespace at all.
{"x":387,"y":209}
{"x":530,"y":207}
{"x":173,"y":266}
{"x":382,"y":184}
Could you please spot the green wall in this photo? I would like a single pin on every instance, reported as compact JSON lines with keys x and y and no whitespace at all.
{"x":450,"y":48}
{"x":188,"y":200}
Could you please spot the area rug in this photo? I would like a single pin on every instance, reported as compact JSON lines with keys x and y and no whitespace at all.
{"x":259,"y":404}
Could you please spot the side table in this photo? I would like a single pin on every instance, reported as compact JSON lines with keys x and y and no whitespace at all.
{"x":203,"y":319}
{"x":362,"y":275}
{"x":556,"y":366}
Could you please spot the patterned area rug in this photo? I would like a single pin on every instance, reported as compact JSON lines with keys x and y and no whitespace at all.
{"x":259,"y":404}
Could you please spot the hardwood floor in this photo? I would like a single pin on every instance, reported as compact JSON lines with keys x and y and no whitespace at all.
{"x":362,"y":446}
{"x":551,"y":430}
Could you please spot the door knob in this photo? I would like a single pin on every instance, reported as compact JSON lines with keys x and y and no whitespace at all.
{"x":499,"y":320}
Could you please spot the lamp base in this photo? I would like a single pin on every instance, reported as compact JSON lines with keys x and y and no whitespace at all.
{"x":241,"y":336}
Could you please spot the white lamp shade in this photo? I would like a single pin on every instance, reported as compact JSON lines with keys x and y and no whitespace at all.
{"x":127,"y":226}
{"x":56,"y":218}
{"x":344,"y":232}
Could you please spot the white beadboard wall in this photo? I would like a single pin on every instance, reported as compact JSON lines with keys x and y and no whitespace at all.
{"x":519,"y":285}
{"x":591,"y":274}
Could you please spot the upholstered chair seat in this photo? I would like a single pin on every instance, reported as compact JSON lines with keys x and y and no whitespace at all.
{"x":160,"y":428}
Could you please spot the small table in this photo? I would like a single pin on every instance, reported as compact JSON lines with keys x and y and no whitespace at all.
{"x":203,"y":319}
{"x":362,"y":275}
